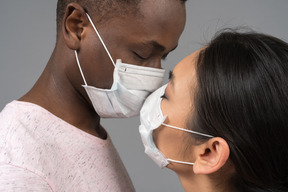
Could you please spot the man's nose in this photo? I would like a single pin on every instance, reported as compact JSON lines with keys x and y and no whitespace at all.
{"x":155,"y":63}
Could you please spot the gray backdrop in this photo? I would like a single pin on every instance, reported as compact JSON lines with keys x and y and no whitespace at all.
{"x":27,"y":38}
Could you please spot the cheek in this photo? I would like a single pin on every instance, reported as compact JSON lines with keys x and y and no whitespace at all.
{"x":176,"y":113}
{"x":157,"y":137}
{"x":164,"y":107}
{"x":168,"y":140}
{"x":96,"y":65}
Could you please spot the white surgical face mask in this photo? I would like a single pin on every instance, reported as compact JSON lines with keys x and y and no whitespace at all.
{"x":131,"y":85}
{"x":151,"y":118}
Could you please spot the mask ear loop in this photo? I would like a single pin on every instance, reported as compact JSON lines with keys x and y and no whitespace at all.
{"x":76,"y":55}
{"x":100,"y":39}
{"x":181,"y":162}
{"x":189,"y":131}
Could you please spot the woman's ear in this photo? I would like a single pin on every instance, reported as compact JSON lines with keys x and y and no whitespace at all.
{"x":74,"y":21}
{"x":211,"y":156}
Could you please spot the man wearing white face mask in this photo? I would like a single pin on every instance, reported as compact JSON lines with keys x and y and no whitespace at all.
{"x":131,"y":85}
{"x":52,"y":136}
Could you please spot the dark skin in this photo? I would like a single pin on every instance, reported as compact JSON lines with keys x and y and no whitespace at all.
{"x":143,"y":40}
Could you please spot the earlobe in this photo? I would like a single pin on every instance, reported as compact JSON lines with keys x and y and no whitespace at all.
{"x":73,"y":25}
{"x":211,"y":156}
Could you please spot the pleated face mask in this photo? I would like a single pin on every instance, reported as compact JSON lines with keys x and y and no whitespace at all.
{"x":151,"y":118}
{"x":131,"y":86}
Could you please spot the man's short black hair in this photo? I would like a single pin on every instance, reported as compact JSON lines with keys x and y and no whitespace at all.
{"x":103,"y":8}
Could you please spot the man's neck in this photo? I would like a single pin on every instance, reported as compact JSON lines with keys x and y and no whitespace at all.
{"x":54,"y":92}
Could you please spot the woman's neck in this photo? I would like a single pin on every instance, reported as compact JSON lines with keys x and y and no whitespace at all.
{"x":204,"y":183}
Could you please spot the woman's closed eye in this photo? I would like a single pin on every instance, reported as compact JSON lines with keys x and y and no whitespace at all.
{"x":164,"y":96}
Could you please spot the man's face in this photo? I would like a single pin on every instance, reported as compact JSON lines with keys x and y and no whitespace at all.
{"x":142,"y":40}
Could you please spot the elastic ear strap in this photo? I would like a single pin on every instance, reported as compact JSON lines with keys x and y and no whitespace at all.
{"x":80,"y":67}
{"x":100,"y":38}
{"x":181,"y":162}
{"x":190,"y":131}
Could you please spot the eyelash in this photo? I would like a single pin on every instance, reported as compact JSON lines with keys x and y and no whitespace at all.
{"x":170,"y":74}
{"x":139,"y":56}
{"x":143,"y":58}
{"x":164,"y":56}
{"x":164,"y":96}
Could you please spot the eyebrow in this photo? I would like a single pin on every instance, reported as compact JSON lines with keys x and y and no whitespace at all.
{"x":171,"y":78}
{"x":156,"y":45}
{"x":159,"y":47}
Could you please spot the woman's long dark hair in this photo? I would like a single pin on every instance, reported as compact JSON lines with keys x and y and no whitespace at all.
{"x":242,"y":96}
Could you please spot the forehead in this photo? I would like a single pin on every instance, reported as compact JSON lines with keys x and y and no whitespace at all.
{"x":187,"y":65}
{"x":162,"y":21}
{"x":164,"y":10}
{"x":165,"y":16}
{"x":185,"y":72}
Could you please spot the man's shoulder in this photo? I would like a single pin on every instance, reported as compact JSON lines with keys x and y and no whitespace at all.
{"x":16,"y":109}
{"x":7,"y":113}
{"x":23,"y":130}
{"x":19,"y":114}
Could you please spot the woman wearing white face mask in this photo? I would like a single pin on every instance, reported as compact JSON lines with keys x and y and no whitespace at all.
{"x":221,"y":122}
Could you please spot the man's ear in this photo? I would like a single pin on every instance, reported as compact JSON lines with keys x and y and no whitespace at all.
{"x":74,"y":21}
{"x":211,"y":156}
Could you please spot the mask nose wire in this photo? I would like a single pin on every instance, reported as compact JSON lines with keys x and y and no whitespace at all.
{"x":100,"y":39}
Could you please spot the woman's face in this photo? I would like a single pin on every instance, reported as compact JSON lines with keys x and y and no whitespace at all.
{"x":177,"y":104}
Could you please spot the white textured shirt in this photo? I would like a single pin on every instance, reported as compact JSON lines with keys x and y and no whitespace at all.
{"x":41,"y":152}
